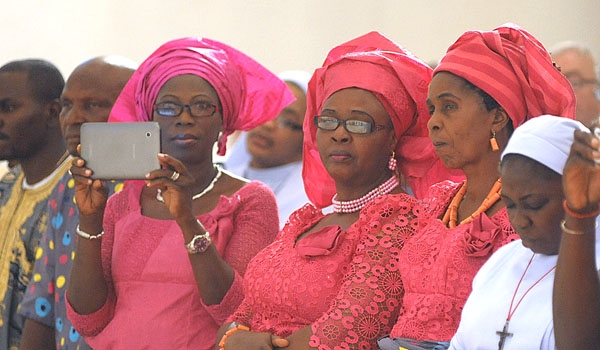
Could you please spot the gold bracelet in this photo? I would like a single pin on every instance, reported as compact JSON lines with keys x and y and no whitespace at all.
{"x":87,"y":235}
{"x":565,"y":229}
{"x":234,"y":327}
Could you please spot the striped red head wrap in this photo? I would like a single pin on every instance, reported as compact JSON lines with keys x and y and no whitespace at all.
{"x":515,"y":69}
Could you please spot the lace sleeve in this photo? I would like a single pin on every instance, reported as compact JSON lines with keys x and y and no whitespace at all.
{"x":242,"y":314}
{"x":255,"y":225}
{"x":369,"y":300}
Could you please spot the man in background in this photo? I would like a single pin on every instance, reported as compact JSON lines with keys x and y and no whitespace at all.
{"x":30,"y":136}
{"x":577,"y":64}
{"x":88,"y":96}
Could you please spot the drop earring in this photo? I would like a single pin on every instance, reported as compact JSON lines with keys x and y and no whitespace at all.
{"x":393,"y":163}
{"x":494,"y":142}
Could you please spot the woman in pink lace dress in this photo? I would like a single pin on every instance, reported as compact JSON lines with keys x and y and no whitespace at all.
{"x":160,"y":265}
{"x":487,"y":84}
{"x":332,"y":280}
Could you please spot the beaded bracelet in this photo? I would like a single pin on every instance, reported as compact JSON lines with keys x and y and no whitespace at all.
{"x":565,"y":229}
{"x":233,"y":328}
{"x":577,"y":215}
{"x":87,"y":235}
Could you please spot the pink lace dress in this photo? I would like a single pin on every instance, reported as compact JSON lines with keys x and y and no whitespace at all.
{"x":438,"y":265}
{"x":345,"y":284}
{"x":153,"y":300}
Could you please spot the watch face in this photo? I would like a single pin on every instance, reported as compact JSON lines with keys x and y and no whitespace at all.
{"x":201,"y":243}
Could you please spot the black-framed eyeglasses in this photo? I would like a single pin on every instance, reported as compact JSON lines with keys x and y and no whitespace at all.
{"x":353,"y":126}
{"x":283,"y":123}
{"x":202,"y":109}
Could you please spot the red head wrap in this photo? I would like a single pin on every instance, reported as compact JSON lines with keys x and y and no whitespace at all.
{"x":250,"y":94}
{"x":514,"y":68}
{"x":399,"y":80}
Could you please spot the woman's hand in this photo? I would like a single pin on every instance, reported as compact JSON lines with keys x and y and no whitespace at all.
{"x":90,"y":194}
{"x":175,"y":184}
{"x":581,"y":175}
{"x":248,"y":340}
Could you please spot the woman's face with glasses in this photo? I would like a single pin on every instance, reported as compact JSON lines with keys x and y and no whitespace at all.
{"x":188,"y":111}
{"x":355,"y":136}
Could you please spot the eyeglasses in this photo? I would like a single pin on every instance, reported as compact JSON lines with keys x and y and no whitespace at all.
{"x":353,"y":126}
{"x":285,"y":123}
{"x":577,"y":83}
{"x":200,"y":109}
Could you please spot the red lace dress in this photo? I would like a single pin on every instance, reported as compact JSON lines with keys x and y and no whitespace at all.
{"x":438,"y":265}
{"x":345,"y":284}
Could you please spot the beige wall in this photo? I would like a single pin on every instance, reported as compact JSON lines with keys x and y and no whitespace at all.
{"x":281,"y":34}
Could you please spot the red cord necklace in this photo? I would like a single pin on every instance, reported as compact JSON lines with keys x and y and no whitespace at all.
{"x":504,"y":333}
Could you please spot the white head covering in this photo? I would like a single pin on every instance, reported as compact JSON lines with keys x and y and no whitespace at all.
{"x":238,"y":156}
{"x":297,"y":77}
{"x":546,"y":139}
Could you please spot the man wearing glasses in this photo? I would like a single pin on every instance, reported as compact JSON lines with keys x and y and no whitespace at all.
{"x":272,"y":152}
{"x":577,"y":64}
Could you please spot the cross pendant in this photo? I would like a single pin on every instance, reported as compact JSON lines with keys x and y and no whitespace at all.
{"x":503,"y":334}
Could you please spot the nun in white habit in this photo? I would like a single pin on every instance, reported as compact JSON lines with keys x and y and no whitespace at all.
{"x":510,"y":306}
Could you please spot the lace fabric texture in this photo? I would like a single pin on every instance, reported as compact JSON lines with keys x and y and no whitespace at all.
{"x":345,"y":284}
{"x":438,"y":266}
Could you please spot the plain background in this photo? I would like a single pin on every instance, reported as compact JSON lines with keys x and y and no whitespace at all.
{"x":294,"y":34}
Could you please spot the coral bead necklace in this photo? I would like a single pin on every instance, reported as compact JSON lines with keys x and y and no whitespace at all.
{"x":357,"y":204}
{"x":451,"y":216}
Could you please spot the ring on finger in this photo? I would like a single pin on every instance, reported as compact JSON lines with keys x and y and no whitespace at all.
{"x":175,"y":176}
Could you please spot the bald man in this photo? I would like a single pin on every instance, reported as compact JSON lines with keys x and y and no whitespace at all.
{"x":577,"y":64}
{"x":88,"y":96}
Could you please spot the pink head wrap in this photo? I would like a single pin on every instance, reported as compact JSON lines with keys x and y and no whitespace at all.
{"x":250,"y":94}
{"x":514,"y":68}
{"x":399,"y":80}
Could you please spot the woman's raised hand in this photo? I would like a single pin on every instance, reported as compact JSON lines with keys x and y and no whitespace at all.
{"x":175,"y":184}
{"x":581,"y":175}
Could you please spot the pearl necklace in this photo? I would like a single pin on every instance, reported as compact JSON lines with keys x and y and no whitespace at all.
{"x":357,"y":204}
{"x":208,"y":188}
